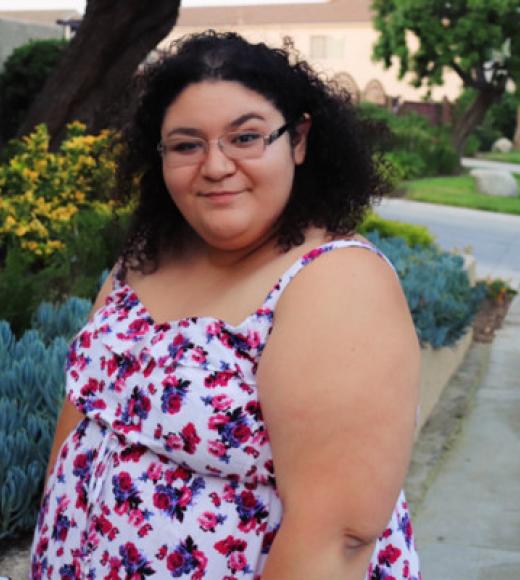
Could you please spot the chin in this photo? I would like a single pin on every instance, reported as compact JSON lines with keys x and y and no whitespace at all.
{"x":231,"y":238}
{"x":229,"y":243}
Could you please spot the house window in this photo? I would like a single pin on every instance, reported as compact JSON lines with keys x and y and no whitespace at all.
{"x":328,"y":47}
{"x":318,"y":46}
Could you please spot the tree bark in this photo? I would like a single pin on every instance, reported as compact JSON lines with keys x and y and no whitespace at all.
{"x":94,"y":75}
{"x":473,"y":116}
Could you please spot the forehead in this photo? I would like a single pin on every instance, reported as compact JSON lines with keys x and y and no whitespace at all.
{"x":217,"y":103}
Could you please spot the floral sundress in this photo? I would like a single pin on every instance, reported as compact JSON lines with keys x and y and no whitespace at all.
{"x":170,"y":475}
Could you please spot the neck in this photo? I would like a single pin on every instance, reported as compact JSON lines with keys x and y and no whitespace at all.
{"x":223,"y":259}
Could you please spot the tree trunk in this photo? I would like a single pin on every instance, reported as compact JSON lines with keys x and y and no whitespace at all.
{"x":473,"y":116}
{"x":94,"y":74}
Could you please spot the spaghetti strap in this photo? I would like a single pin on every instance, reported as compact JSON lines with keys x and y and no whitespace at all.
{"x":276,"y":292}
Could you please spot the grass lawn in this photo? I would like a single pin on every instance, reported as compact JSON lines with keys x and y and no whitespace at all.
{"x":512,"y":157}
{"x":460,"y":191}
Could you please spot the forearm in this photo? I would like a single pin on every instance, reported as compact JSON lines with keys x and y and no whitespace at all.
{"x":67,"y":421}
{"x":303,"y":553}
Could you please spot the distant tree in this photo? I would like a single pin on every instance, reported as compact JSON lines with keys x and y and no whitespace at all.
{"x":499,"y":121}
{"x":24,"y":73}
{"x":95,"y":71}
{"x":477,"y":39}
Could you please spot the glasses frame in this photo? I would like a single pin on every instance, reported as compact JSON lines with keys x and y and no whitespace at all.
{"x":266,"y":139}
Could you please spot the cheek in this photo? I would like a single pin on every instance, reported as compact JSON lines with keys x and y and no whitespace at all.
{"x":177,"y":182}
{"x":279,"y":182}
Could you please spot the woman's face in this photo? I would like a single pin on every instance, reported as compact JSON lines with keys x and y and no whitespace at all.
{"x":231,"y":204}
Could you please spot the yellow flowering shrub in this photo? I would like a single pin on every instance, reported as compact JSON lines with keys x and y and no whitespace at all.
{"x":41,"y":191}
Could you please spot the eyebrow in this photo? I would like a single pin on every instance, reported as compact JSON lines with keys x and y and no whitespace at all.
{"x":233,"y":125}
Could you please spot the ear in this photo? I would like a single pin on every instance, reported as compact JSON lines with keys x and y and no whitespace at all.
{"x":300,"y":139}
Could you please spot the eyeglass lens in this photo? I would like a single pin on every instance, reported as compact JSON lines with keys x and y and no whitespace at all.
{"x":185,"y":150}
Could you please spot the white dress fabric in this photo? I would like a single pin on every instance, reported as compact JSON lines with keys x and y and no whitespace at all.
{"x":170,"y":475}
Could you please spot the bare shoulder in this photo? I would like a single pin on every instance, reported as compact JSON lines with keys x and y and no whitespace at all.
{"x":344,"y":277}
{"x":347,"y":304}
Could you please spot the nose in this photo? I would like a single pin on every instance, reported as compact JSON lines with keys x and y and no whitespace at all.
{"x":216,"y":164}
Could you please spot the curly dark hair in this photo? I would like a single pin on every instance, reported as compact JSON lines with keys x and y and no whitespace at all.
{"x":332,"y":188}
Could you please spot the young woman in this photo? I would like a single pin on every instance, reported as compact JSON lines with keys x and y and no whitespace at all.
{"x":242,"y":401}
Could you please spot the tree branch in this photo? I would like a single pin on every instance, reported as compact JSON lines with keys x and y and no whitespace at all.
{"x":466,"y":78}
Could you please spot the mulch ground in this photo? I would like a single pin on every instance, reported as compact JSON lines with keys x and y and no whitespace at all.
{"x":489,"y":318}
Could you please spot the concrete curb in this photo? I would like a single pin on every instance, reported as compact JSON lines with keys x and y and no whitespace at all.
{"x":444,"y":423}
{"x":437,"y":368}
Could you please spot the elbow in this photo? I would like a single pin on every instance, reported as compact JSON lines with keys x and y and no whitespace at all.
{"x":354,"y":540}
{"x":357,"y":547}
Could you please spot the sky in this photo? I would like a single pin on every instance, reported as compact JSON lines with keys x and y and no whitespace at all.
{"x":79,"y":5}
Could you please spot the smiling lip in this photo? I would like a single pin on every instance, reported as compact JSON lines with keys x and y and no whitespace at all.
{"x":216,"y":194}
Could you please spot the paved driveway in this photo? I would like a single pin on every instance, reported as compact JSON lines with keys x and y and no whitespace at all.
{"x":471,"y":163}
{"x":494,"y":238}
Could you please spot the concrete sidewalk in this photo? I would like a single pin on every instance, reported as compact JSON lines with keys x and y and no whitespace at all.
{"x":476,"y":163}
{"x":468,"y":523}
{"x":494,"y":238}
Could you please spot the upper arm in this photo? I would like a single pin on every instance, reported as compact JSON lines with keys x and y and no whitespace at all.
{"x":338,"y":384}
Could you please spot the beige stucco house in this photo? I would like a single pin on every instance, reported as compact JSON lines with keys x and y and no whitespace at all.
{"x":336,"y":36}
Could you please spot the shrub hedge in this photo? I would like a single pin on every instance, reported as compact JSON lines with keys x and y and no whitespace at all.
{"x":24,"y":73}
{"x":414,"y":147}
{"x":440,"y":297}
{"x":414,"y":235}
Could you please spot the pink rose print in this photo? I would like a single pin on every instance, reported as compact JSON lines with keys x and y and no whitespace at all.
{"x":237,"y":562}
{"x":170,"y":474}
{"x":186,"y":559}
{"x":190,"y":438}
{"x":229,"y":545}
{"x":208,"y":521}
{"x":175,"y":391}
{"x":388,"y":555}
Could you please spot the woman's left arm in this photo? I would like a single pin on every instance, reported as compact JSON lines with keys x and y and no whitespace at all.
{"x":338,"y":384}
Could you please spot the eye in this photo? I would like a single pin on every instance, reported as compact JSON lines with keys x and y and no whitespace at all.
{"x":244,"y":138}
{"x":184,"y":146}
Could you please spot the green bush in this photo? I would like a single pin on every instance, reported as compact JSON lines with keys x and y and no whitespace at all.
{"x":409,"y":164}
{"x":412,"y":234}
{"x":497,"y":290}
{"x":23,"y":76}
{"x":440,"y":297}
{"x":59,"y":225}
{"x":472,"y":145}
{"x":91,"y":246}
{"x":389,"y":170}
{"x":414,"y":146}
{"x":41,"y":191}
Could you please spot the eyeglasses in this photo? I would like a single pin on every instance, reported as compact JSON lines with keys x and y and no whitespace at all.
{"x":186,"y":150}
